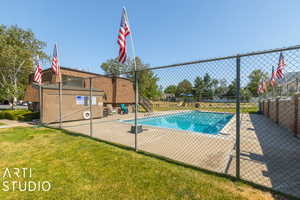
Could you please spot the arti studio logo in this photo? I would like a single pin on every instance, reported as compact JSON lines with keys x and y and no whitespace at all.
{"x":21,"y":179}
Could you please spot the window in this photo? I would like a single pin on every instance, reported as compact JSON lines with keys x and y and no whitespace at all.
{"x":85,"y":100}
{"x":72,"y":81}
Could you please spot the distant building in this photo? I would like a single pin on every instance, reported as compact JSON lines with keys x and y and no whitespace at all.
{"x":290,"y":82}
{"x":168,"y":97}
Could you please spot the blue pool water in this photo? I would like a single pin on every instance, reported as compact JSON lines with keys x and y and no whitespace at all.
{"x":196,"y":121}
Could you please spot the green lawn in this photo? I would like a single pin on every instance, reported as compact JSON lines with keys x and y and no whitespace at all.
{"x":82,"y":168}
{"x":212,"y":109}
{"x":205,"y":106}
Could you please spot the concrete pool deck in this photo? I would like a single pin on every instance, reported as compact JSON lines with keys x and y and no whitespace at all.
{"x":270,"y":155}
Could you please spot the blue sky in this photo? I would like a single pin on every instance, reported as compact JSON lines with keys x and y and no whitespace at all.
{"x":165,"y":32}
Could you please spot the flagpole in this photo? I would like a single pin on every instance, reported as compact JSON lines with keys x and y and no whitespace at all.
{"x":60,"y":91}
{"x":297,"y":85}
{"x":40,"y":92}
{"x":131,"y":38}
{"x":136,"y":80}
{"x":40,"y":89}
{"x":272,"y":82}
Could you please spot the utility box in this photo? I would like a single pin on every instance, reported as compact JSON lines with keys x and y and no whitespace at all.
{"x":139,"y":129}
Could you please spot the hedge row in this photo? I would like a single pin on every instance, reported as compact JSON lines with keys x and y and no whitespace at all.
{"x":21,"y":115}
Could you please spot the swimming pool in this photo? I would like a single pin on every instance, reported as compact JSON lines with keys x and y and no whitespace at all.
{"x":196,"y":121}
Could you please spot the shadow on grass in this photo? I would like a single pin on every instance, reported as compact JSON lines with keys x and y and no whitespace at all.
{"x":276,"y":194}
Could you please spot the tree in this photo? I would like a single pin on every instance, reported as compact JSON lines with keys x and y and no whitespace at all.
{"x":147,"y":81}
{"x":231,"y":92}
{"x":255,"y":77}
{"x":198,"y":88}
{"x":210,"y":86}
{"x":184,"y":88}
{"x":171,"y":89}
{"x":204,"y":88}
{"x":18,"y":47}
{"x":148,"y":85}
{"x":115,"y":68}
{"x":245,"y":94}
{"x":221,"y":88}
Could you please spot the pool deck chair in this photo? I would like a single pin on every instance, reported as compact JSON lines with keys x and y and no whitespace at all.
{"x":124,"y":109}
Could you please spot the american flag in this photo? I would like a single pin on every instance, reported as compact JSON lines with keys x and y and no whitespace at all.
{"x":38,"y":74}
{"x":55,"y":66}
{"x":259,"y":88}
{"x":123,"y":32}
{"x":262,"y":87}
{"x":281,"y":65}
{"x":273,"y":77}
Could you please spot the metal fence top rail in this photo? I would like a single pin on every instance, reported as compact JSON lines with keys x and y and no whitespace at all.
{"x":225,"y":58}
{"x":207,"y":60}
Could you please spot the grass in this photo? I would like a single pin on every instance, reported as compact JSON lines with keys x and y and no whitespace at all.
{"x":2,"y":124}
{"x":213,"y":107}
{"x":82,"y":168}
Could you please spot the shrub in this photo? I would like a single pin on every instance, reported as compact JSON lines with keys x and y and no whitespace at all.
{"x":2,"y":115}
{"x":22,"y":115}
{"x":10,"y":116}
{"x":31,"y":116}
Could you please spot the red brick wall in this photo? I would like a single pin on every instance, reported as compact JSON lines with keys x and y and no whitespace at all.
{"x":31,"y":94}
{"x":266,"y":108}
{"x":75,"y":73}
{"x":272,"y":110}
{"x":102,"y":83}
{"x":286,"y":114}
{"x":125,"y":91}
{"x":298,"y":122}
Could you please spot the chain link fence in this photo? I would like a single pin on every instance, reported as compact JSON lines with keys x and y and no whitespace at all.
{"x":208,"y":114}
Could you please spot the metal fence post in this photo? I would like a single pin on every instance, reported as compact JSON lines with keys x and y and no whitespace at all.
{"x":136,"y":110}
{"x":277,"y":110}
{"x":268,"y":106}
{"x":91,"y":112}
{"x":41,"y":104}
{"x":297,"y":84}
{"x":296,"y":115}
{"x":238,"y":122}
{"x":60,"y":104}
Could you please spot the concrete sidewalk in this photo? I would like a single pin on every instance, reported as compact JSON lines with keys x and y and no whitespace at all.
{"x":13,"y":123}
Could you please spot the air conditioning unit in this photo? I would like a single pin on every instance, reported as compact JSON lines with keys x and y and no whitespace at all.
{"x":86,"y":114}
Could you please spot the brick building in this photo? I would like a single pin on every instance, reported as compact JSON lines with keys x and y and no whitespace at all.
{"x":109,"y":90}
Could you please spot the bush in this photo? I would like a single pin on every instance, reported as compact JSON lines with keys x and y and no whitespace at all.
{"x":21,"y":115}
{"x":10,"y":116}
{"x":31,"y":116}
{"x":2,"y":115}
